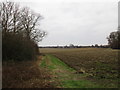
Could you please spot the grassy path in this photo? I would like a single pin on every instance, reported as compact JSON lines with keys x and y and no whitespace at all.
{"x":64,"y":75}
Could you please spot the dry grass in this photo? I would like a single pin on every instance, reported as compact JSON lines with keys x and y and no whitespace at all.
{"x":25,"y":74}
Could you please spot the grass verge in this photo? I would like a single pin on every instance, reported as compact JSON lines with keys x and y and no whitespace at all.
{"x":66,"y":75}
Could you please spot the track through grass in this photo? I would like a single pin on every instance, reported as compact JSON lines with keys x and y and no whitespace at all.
{"x":101,"y":64}
{"x":65,"y":75}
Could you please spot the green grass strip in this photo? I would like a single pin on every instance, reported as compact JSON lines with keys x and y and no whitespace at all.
{"x":65,"y":74}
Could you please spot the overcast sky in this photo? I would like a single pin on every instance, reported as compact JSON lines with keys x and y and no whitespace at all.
{"x":80,"y":22}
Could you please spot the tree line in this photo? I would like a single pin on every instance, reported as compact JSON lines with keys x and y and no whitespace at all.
{"x":20,"y":31}
{"x":76,"y":46}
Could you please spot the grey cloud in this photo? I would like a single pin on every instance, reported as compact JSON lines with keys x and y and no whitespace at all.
{"x":78,"y":23}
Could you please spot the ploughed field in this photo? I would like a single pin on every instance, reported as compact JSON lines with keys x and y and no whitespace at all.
{"x":100,"y":64}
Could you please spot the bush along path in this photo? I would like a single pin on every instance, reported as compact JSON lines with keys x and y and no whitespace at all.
{"x":65,"y":76}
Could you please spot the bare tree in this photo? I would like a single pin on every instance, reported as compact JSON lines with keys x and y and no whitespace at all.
{"x":5,"y":13}
{"x":30,"y":22}
{"x":20,"y":31}
{"x":20,"y":21}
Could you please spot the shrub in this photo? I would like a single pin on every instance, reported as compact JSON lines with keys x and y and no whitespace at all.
{"x":16,"y":47}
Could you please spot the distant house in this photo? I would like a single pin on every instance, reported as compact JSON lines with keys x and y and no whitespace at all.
{"x":71,"y":46}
